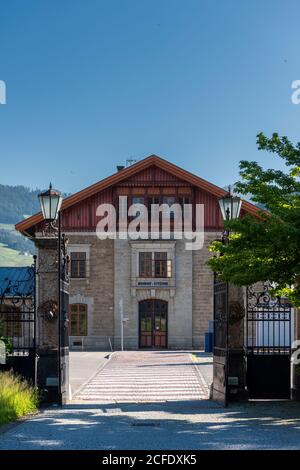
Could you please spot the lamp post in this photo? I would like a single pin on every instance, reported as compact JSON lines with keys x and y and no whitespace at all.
{"x":50,"y":202}
{"x":230,"y":207}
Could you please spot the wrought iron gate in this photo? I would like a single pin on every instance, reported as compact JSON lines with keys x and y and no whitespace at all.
{"x":220,"y":352}
{"x":18,"y":321}
{"x":268,"y":344}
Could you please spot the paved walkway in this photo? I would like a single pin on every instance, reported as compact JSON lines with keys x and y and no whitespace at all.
{"x":146,"y":376}
{"x":83,"y":365}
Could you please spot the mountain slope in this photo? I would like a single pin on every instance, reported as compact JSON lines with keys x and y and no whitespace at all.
{"x":16,"y":202}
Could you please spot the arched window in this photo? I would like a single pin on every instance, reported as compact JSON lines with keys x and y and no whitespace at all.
{"x":78,"y":320}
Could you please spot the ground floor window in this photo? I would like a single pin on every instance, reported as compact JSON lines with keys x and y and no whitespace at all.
{"x":78,"y":319}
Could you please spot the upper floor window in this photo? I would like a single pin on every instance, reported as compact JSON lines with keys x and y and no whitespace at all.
{"x":154,"y":264}
{"x":78,"y":264}
{"x":184,"y":200}
{"x":169,"y":200}
{"x":137,"y":200}
{"x":78,"y":319}
{"x":160,"y":264}
{"x":145,"y":264}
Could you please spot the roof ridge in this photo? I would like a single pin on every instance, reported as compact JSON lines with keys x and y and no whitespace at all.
{"x":125,"y":173}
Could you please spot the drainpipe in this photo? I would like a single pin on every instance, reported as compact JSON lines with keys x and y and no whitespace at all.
{"x":122,"y":322}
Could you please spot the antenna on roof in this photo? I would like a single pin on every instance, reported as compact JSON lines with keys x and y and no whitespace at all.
{"x":131,"y":161}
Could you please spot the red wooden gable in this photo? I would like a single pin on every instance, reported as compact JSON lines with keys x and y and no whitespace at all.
{"x":144,"y":177}
{"x":82,"y":216}
{"x":153,"y":175}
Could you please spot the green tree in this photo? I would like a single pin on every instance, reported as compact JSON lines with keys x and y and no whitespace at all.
{"x":266,"y":247}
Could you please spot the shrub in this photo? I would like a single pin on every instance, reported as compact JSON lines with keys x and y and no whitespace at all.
{"x":17,"y":397}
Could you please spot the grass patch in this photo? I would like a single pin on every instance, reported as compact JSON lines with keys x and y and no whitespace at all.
{"x":17,"y":398}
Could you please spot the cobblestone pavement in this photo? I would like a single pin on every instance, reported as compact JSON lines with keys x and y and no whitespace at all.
{"x":146,"y":376}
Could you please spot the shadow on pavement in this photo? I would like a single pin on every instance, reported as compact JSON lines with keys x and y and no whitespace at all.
{"x":171,"y":425}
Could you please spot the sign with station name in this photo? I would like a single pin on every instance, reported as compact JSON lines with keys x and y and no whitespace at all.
{"x":153,"y":283}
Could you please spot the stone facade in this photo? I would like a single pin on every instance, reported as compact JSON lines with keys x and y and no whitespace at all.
{"x":96,"y":290}
{"x":202,"y":290}
{"x":178,"y":293}
{"x":112,"y":288}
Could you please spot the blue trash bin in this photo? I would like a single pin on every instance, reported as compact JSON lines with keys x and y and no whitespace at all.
{"x":208,"y":342}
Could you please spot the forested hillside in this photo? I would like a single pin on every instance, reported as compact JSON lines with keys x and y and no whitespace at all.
{"x":17,"y":202}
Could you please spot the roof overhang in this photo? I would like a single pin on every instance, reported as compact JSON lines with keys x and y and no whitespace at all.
{"x":25,"y":225}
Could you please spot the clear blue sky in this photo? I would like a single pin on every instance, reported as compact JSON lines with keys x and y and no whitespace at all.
{"x":91,"y":83}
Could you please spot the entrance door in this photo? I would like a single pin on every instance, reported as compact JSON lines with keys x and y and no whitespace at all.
{"x":153,"y":323}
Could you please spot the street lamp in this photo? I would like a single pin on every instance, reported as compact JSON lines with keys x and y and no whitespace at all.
{"x":50,"y":202}
{"x":230,"y":206}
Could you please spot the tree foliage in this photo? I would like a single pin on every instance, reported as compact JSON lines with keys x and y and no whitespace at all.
{"x":267,"y":247}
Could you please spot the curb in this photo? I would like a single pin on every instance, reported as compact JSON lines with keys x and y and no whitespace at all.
{"x":77,"y":392}
{"x":8,"y":426}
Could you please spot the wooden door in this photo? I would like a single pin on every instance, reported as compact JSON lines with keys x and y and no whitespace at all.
{"x":153,"y":323}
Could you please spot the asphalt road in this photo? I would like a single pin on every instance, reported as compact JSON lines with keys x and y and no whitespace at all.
{"x":170,"y":425}
{"x":145,"y":401}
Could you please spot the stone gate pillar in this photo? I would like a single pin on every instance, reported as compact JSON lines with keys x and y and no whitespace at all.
{"x":236,"y":380}
{"x":50,"y":362}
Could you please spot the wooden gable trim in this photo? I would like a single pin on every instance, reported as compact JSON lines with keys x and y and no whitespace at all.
{"x":127,"y":173}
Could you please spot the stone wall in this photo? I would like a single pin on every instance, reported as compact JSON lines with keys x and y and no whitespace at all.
{"x":47,"y":293}
{"x":180,"y":323}
{"x":202,"y":290}
{"x":123,"y":294}
{"x":97,"y":290}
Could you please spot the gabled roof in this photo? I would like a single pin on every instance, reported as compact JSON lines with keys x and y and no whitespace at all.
{"x":128,"y":172}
